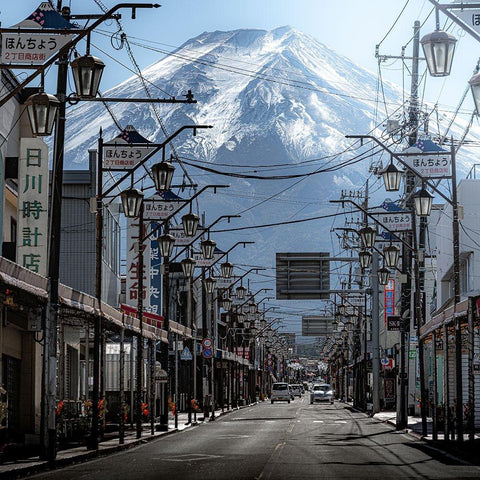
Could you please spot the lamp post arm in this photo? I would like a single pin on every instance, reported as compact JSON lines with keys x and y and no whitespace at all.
{"x":403,"y":163}
{"x":225,"y":254}
{"x":188,"y":202}
{"x":252,"y":297}
{"x":202,"y":232}
{"x":444,"y":8}
{"x":374,"y":219}
{"x":81,"y":34}
{"x":156,"y":147}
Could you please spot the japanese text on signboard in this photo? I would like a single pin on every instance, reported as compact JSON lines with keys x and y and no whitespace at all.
{"x":32,"y":205}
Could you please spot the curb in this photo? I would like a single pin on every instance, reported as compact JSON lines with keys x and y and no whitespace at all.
{"x":45,"y":466}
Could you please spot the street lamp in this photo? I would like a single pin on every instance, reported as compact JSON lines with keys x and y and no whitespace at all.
{"x":252,"y":308}
{"x":475,"y":87}
{"x":438,"y":48}
{"x":423,"y":202}
{"x":226,"y":303}
{"x":162,"y":175}
{"x":87,"y":72}
{"x":42,"y":111}
{"x":383,"y":275}
{"x":367,"y":235}
{"x":365,"y":259}
{"x":241,"y":291}
{"x":226,"y":269}
{"x":132,"y":200}
{"x":165,"y":244}
{"x":188,"y":266}
{"x":341,"y":309}
{"x":209,"y":283}
{"x":208,"y":248}
{"x":190,"y":224}
{"x":391,"y":255}
{"x":392,"y":178}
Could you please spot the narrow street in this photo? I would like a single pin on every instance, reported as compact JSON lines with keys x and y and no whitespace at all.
{"x":280,"y":441}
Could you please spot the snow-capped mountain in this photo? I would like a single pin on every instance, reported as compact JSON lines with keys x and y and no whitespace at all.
{"x":272,"y":96}
{"x":277,"y":99}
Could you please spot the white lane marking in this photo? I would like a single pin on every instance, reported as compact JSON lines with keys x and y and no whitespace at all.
{"x":340,"y":421}
{"x":318,"y":421}
{"x":191,"y":457}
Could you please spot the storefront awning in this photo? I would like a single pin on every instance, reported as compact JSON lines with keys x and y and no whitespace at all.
{"x":444,"y":316}
{"x":16,"y":276}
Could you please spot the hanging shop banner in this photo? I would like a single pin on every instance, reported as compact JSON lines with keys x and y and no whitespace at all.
{"x":32,"y":223}
{"x":393,"y":217}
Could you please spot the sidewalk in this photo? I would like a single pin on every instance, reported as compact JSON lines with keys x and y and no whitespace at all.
{"x":28,"y":466}
{"x":464,"y":452}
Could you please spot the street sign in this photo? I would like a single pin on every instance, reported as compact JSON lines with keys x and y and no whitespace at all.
{"x":202,"y":262}
{"x":207,"y":353}
{"x":126,"y":150}
{"x":31,"y":48}
{"x":303,"y":276}
{"x":394,"y":323}
{"x":428,"y":159}
{"x":412,"y":354}
{"x":158,"y":209}
{"x":392,"y":217}
{"x":207,"y":343}
{"x":316,"y":325}
{"x":180,"y":238}
{"x":470,"y":17}
{"x":186,"y":354}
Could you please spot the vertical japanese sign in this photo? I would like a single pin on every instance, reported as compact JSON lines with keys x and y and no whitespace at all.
{"x":33,"y":205}
{"x":155,"y":277}
{"x":151,"y":267}
{"x":389,"y":300}
{"x":133,"y":271}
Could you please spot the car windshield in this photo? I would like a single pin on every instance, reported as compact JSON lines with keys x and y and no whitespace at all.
{"x":279,"y":386}
{"x":322,"y":388}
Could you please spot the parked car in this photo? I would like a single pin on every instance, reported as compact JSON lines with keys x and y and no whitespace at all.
{"x":321,"y":392}
{"x":296,"y":390}
{"x":280,"y":392}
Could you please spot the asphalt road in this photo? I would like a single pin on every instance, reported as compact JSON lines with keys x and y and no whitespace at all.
{"x":280,"y":441}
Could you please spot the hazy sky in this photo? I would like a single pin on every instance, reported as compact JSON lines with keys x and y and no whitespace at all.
{"x":350,"y":27}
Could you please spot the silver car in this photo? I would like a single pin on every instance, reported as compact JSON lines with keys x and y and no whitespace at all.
{"x":321,"y":392}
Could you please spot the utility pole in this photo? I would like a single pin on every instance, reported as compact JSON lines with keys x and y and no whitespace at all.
{"x":406,"y":307}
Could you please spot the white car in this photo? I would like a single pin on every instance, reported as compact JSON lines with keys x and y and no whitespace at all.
{"x":321,"y":392}
{"x":280,"y":392}
{"x":296,"y":390}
